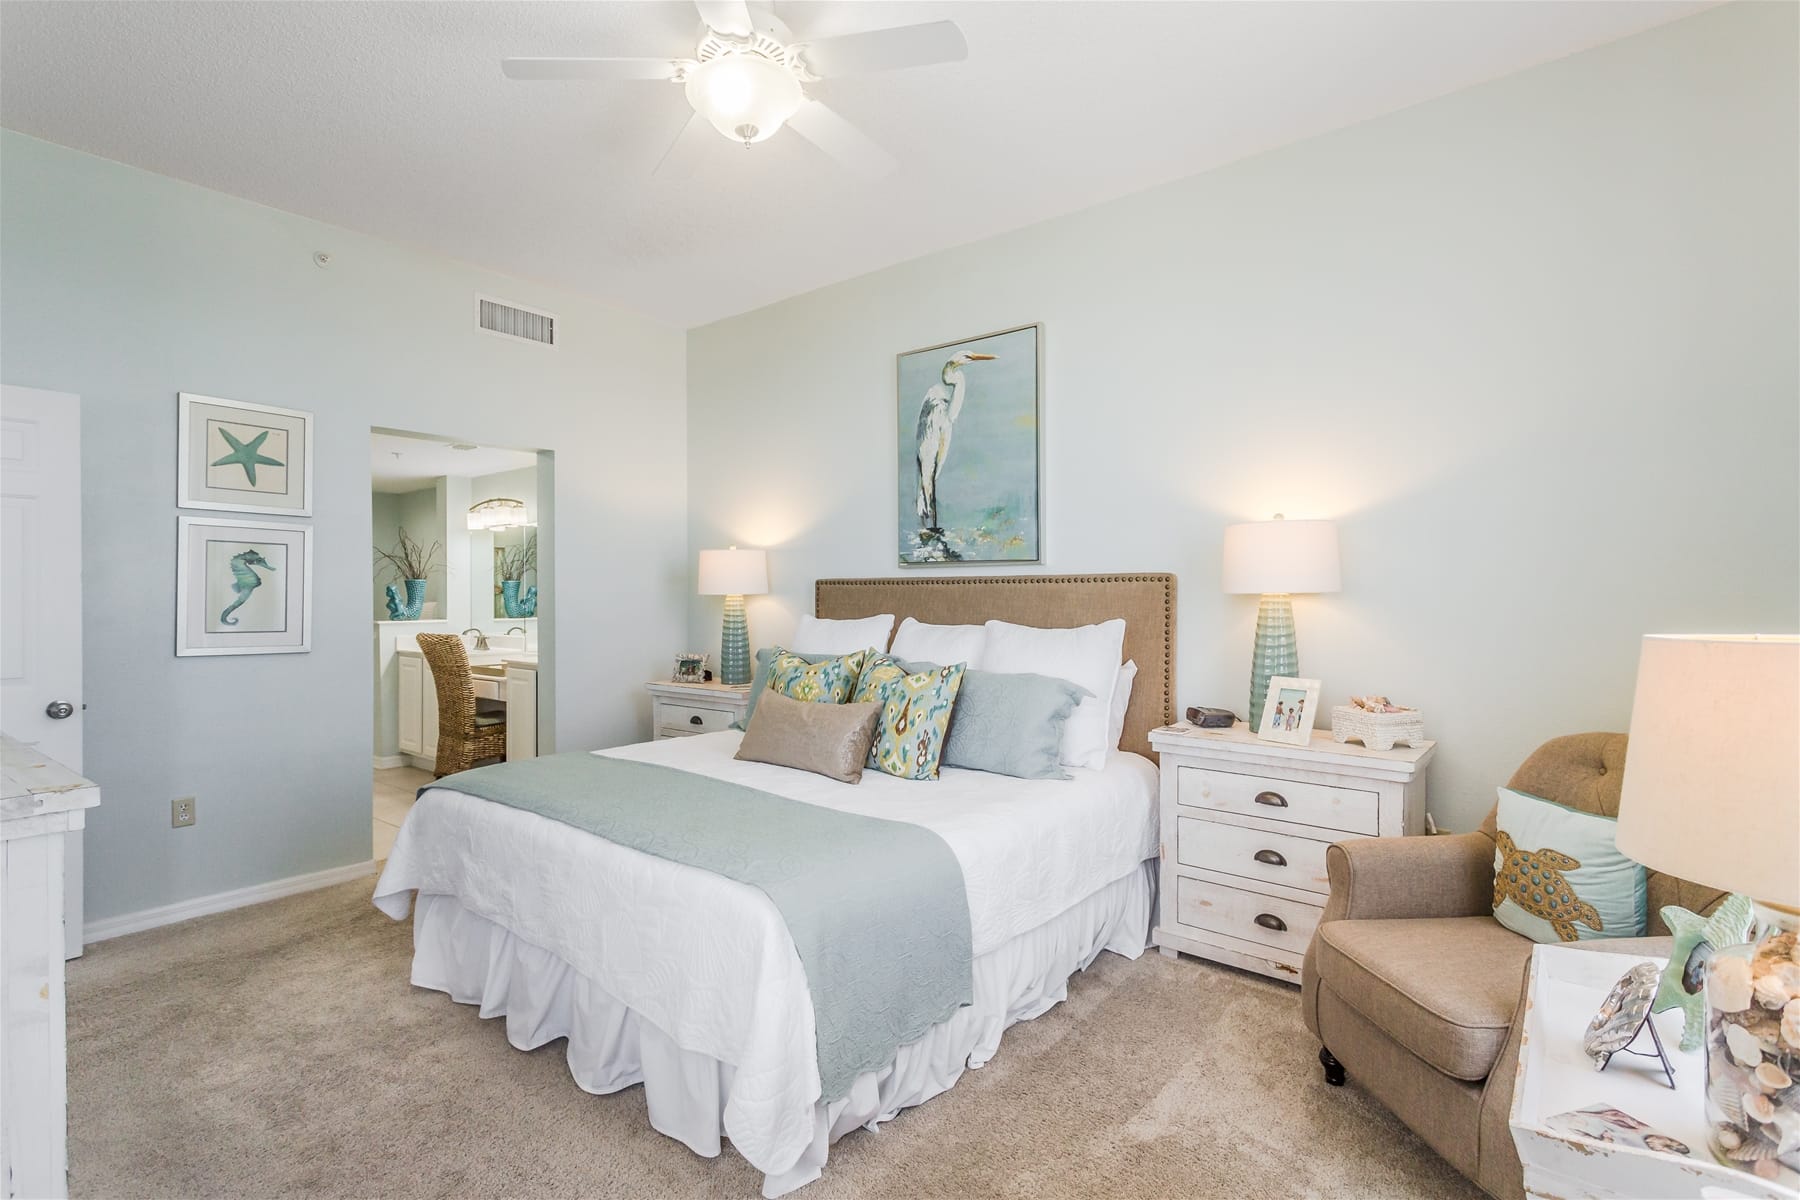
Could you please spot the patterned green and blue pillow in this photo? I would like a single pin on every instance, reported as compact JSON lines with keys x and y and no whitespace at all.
{"x":1558,"y":877}
{"x":915,"y":719}
{"x":832,"y":681}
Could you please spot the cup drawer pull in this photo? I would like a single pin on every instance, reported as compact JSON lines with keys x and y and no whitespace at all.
{"x":1272,"y":799}
{"x":696,"y":720}
{"x":1270,"y":858}
{"x":1271,"y":921}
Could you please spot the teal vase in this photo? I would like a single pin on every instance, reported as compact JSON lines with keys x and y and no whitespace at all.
{"x":1276,"y":653}
{"x":734,"y":644}
{"x":516,"y":605}
{"x":415,"y":601}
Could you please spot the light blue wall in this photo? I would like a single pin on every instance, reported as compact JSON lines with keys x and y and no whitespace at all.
{"x":1533,"y":345}
{"x":125,"y":288}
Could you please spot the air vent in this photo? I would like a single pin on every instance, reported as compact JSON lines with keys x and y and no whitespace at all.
{"x":508,"y":321}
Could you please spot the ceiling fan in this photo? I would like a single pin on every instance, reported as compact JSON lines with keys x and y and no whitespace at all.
{"x":748,"y":74}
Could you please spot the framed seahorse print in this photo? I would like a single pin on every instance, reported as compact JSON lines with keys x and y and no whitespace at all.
{"x":242,"y":587}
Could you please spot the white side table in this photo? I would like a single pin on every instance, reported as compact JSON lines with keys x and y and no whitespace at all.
{"x":1565,"y":991}
{"x":41,"y":803}
{"x":684,"y":709}
{"x":1245,"y":827}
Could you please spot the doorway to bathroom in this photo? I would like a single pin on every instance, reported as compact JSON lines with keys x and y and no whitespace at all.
{"x":457,"y":603}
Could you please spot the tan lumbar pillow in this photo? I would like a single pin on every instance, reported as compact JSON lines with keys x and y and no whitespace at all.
{"x":827,"y":739}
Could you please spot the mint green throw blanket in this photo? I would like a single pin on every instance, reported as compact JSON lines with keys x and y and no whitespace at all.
{"x":877,"y":909}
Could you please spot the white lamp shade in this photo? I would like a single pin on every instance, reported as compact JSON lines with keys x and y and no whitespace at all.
{"x":1273,"y":557}
{"x":734,"y":572}
{"x":1712,"y":774}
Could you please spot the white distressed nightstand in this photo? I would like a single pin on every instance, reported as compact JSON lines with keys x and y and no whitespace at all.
{"x":1245,"y":824}
{"x":684,"y":709}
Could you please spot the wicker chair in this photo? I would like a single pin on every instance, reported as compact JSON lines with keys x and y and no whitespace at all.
{"x":465,"y":736}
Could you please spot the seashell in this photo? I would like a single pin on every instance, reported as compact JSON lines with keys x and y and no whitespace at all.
{"x":1789,"y":974}
{"x":1766,"y":1168}
{"x":1724,"y":1098}
{"x":1771,"y":1078}
{"x":1790,"y":1023}
{"x":1728,"y":984}
{"x":1752,"y":1147}
{"x":1771,"y":992}
{"x":1728,"y":1138}
{"x":1787,"y":1130}
{"x":1745,"y":1049}
{"x":1758,"y":1107}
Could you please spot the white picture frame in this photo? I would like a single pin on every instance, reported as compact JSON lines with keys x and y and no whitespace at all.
{"x":1290,"y":710}
{"x":233,"y":456}
{"x":219,"y":611}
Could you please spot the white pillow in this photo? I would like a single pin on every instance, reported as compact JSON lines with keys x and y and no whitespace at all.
{"x":916,"y":641}
{"x":1088,"y":656}
{"x":1115,"y":724}
{"x":814,"y":636}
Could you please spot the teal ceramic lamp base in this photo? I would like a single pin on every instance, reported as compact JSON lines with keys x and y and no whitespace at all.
{"x":734,"y":644}
{"x":1276,"y":653}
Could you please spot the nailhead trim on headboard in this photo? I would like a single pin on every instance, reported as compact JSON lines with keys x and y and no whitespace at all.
{"x":1165,"y":582}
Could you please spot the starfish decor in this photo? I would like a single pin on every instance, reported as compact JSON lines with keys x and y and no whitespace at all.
{"x":247,"y":455}
{"x":1729,"y":925}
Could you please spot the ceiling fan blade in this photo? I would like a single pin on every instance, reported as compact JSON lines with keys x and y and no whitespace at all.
{"x":842,"y":141}
{"x":684,"y":153}
{"x":588,"y":68}
{"x":725,"y":16}
{"x":886,"y":49}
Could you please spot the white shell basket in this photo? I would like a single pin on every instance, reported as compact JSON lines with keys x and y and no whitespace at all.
{"x":1377,"y":731}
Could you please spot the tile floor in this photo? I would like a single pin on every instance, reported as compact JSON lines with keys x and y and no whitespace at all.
{"x":394,"y":792}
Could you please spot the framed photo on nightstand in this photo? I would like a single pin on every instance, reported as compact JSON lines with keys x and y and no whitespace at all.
{"x":1290,"y":710}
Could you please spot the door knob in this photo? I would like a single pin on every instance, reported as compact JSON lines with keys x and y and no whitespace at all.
{"x":59,"y":710}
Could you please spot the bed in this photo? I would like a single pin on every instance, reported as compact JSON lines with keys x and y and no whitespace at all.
{"x":688,"y":982}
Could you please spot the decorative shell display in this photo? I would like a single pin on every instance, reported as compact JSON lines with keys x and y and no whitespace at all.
{"x":1728,"y":984}
{"x":1621,"y":1014}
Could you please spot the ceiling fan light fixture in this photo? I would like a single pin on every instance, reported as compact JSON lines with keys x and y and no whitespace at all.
{"x":744,"y":95}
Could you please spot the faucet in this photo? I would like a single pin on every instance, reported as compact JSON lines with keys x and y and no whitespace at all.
{"x":520,"y":629}
{"x":480,"y":638}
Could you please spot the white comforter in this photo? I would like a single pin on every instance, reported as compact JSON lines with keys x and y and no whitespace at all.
{"x":708,"y":960}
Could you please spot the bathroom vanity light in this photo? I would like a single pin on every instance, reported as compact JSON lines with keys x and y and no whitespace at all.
{"x":499,"y":513}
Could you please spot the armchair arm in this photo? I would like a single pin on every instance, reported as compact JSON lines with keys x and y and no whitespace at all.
{"x":1405,"y":877}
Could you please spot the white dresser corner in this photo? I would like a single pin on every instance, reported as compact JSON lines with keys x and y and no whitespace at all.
{"x":1245,"y":827}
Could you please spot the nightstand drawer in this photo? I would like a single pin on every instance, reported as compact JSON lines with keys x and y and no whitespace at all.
{"x":1350,"y":810}
{"x":1245,"y":915}
{"x":1296,"y":862}
{"x":672,"y":719}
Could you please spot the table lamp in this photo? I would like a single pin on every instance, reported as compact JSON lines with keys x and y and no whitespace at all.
{"x":1277,"y":559}
{"x":1712,"y":794}
{"x":734,"y":574}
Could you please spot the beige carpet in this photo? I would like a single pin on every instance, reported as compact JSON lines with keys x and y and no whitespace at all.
{"x":280,"y":1051}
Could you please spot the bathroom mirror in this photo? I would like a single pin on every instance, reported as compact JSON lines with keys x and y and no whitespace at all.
{"x":514,"y":567}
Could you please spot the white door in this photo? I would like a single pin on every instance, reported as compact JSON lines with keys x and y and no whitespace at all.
{"x":40,"y":592}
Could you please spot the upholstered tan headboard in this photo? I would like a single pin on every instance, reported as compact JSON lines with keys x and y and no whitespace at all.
{"x":1147,"y":602}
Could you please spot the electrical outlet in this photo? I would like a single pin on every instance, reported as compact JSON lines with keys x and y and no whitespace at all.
{"x":181,"y":811}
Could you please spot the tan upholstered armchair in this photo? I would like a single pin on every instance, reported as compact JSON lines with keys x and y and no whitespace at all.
{"x":1411,"y":985}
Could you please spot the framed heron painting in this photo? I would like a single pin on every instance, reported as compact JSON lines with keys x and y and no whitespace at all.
{"x":244,"y":457}
{"x":242,"y":587}
{"x":969,"y":450}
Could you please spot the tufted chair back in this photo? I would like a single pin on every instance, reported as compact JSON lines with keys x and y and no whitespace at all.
{"x":1586,"y":771}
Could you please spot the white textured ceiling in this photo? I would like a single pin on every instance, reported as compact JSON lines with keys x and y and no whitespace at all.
{"x":394,"y":119}
{"x":401,"y":462}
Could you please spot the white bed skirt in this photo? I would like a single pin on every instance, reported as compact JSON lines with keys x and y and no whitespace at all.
{"x":611,"y":1047}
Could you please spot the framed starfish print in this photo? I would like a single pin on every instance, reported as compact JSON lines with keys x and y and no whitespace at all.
{"x":244,"y":457}
{"x":242,"y":587}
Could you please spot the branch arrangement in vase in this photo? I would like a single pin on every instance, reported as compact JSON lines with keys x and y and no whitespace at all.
{"x":514,"y":561}
{"x":411,"y":559}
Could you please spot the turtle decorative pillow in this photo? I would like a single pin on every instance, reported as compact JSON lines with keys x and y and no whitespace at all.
{"x":915,"y":719}
{"x":1558,"y":877}
{"x":829,"y":682}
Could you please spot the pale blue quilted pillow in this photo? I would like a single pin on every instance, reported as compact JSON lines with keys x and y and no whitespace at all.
{"x":1009,"y":724}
